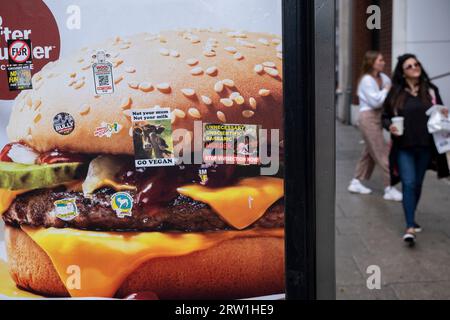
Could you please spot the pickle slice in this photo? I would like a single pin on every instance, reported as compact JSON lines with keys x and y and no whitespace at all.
{"x":15,"y":176}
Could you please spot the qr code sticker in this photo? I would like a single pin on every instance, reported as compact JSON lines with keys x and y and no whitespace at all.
{"x":103,"y":80}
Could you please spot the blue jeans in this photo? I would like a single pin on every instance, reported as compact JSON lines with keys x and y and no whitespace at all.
{"x":413,"y":164}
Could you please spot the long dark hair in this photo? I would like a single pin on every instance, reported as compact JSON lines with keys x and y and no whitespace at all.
{"x":397,"y":95}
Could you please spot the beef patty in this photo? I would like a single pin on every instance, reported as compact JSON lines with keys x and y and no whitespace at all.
{"x":36,"y":208}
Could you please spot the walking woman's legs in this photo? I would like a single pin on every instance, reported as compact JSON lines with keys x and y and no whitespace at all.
{"x":407,"y":170}
{"x":422,"y":159}
{"x":370,"y":125}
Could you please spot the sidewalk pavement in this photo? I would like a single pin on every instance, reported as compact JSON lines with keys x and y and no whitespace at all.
{"x":369,"y":232}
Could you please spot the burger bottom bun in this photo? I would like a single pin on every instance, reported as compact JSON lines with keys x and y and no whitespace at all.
{"x":238,"y":268}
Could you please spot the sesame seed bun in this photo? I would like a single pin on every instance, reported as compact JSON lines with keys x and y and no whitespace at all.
{"x":257,"y":268}
{"x":192,"y":72}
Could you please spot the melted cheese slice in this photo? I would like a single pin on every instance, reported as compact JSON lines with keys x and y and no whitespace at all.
{"x":242,"y":204}
{"x":7,"y":197}
{"x":105,"y":259}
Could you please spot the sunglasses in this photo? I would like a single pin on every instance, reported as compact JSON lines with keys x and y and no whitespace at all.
{"x":413,"y":66}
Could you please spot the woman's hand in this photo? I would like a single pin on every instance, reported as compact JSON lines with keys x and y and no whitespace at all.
{"x":393,"y":129}
{"x":444,"y":112}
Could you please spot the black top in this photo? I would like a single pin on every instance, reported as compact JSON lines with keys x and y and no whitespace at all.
{"x":439,"y":161}
{"x":416,"y":130}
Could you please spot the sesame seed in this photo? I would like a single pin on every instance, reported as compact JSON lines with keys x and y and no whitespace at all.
{"x":164,"y":87}
{"x":37,"y":118}
{"x":240,"y":100}
{"x":248,"y":113}
{"x":179,"y":113}
{"x":133,"y":84}
{"x":85,"y":67}
{"x":238,"y":56}
{"x":145,"y":86}
{"x":164,"y":51}
{"x":197,"y":71}
{"x":218,"y":87}
{"x":118,"y":79}
{"x":234,"y":95}
{"x":174,"y":53}
{"x":71,"y":82}
{"x":209,"y":53}
{"x":211,"y":71}
{"x":124,"y":47}
{"x":79,"y":84}
{"x":195,"y":39}
{"x":272,"y":72}
{"x":72,"y":75}
{"x":80,"y":60}
{"x":229,"y":83}
{"x":188,"y":92}
{"x":194,"y":113}
{"x":126,"y":103}
{"x":253,"y":103}
{"x":130,"y":70}
{"x":227,"y":102}
{"x":264,"y":41}
{"x":206,"y":100}
{"x":85,"y":109}
{"x":221,"y":116}
{"x":37,"y":103}
{"x":118,"y":62}
{"x":192,"y":62}
{"x":269,"y":64}
{"x":259,"y":68}
{"x":245,"y":43}
{"x":231,"y":49}
{"x":264,"y":93}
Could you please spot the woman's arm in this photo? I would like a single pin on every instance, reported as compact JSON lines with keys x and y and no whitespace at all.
{"x":370,"y":91}
{"x":387,"y":113}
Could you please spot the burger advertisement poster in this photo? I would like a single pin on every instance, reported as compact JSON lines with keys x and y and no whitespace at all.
{"x":141,"y":150}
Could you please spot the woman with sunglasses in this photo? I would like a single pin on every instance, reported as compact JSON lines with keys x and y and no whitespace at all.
{"x":414,"y":151}
{"x":372,"y":91}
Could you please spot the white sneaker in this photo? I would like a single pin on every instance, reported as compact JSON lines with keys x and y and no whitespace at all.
{"x":357,"y":187}
{"x":392,"y":194}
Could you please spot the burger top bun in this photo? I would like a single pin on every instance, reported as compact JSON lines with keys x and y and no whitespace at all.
{"x":210,"y":76}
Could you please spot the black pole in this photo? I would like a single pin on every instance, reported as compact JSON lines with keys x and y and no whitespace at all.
{"x":298,"y":47}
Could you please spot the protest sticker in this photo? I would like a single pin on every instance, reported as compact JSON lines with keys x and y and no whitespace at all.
{"x":230,"y":144}
{"x":152,"y":137}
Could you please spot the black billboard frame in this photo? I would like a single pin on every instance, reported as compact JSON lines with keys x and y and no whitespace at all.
{"x":309,"y":86}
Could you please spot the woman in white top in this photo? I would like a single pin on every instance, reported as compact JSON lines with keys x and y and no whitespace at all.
{"x":373,"y":89}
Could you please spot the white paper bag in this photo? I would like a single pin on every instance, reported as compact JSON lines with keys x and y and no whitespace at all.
{"x":442,"y":141}
{"x":437,"y":122}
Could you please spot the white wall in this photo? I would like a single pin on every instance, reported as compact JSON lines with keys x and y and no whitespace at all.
{"x":423,"y":28}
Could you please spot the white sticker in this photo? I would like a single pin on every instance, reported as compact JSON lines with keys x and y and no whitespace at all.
{"x":122,"y":204}
{"x":66,"y":209}
{"x":103,"y":76}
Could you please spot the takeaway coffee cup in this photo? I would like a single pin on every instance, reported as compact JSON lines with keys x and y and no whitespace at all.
{"x":398,"y":122}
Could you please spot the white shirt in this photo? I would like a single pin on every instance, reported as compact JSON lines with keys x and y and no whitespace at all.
{"x":370,"y":95}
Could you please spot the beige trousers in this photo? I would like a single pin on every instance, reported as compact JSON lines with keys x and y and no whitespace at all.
{"x":375,"y":149}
